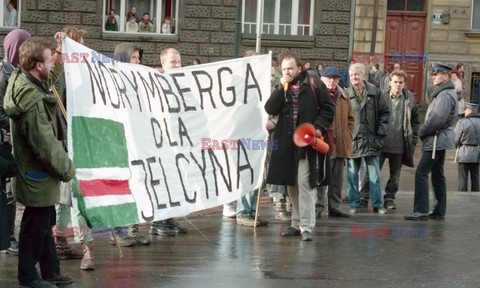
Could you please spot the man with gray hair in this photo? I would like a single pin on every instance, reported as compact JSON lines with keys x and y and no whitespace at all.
{"x":371,"y":122}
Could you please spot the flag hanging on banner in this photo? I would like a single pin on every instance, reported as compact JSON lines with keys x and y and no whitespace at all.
{"x":149,"y":146}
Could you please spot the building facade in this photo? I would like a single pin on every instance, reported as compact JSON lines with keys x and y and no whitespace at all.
{"x":419,"y":34}
{"x":318,"y":30}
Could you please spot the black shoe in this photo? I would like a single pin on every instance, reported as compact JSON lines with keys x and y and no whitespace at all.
{"x":337,"y":213}
{"x":60,"y":279}
{"x":174,"y":225}
{"x":389,"y":204}
{"x":38,"y":284}
{"x":436,"y":215}
{"x":306,"y":236}
{"x":363,"y":203}
{"x":290,"y":231}
{"x":416,"y":216}
{"x":159,"y":228}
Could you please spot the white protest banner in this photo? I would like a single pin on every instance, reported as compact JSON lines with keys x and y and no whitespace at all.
{"x":149,"y":146}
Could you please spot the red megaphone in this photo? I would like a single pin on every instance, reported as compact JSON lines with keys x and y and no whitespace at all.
{"x":305,"y":135}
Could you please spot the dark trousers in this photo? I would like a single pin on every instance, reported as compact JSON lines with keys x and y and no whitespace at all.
{"x":395,"y":165}
{"x":335,"y":189}
{"x":425,"y":166}
{"x":36,"y":244}
{"x":463,"y":170}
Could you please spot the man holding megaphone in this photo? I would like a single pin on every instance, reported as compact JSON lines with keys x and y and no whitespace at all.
{"x":300,"y":99}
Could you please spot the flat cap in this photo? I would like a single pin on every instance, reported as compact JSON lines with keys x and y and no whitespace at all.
{"x":330,"y":72}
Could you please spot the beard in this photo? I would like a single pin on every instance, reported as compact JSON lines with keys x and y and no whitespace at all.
{"x":44,"y":74}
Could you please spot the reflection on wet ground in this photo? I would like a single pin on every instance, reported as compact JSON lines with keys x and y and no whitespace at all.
{"x":341,"y":255}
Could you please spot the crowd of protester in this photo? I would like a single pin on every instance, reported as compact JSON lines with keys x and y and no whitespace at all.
{"x":361,"y":119}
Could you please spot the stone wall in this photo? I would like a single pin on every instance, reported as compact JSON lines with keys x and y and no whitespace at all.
{"x":364,"y":18}
{"x":206,"y":30}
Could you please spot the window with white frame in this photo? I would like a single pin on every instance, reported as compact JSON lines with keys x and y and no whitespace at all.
{"x":140,"y":16}
{"x":280,"y":17}
{"x":9,"y":14}
{"x":475,"y":14}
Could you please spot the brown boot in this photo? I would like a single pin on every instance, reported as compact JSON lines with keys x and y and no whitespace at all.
{"x":88,"y":260}
{"x":64,"y":251}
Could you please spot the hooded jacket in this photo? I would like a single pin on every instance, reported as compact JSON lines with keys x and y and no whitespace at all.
{"x":42,"y":159}
{"x":11,"y":45}
{"x":441,"y":113}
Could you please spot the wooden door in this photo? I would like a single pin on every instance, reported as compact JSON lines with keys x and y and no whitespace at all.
{"x":404,"y":43}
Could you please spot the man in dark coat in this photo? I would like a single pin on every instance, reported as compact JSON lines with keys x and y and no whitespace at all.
{"x":437,"y":138}
{"x":302,"y":169}
{"x":371,"y":122}
{"x":402,"y":125}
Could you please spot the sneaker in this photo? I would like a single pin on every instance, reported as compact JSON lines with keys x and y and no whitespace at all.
{"x":381,"y":211}
{"x":306,"y":236}
{"x":123,"y":241}
{"x":60,"y":279}
{"x":133,"y":233}
{"x":291,"y":231}
{"x":38,"y":284}
{"x":229,"y":211}
{"x":282,"y":215}
{"x":416,"y":216}
{"x":389,"y":204}
{"x":13,"y":249}
{"x":159,"y":228}
{"x":353,"y":210}
{"x":174,"y":225}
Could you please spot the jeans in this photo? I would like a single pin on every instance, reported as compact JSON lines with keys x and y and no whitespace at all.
{"x":425,"y":166}
{"x":395,"y":165}
{"x":373,"y":168}
{"x":36,"y":245}
{"x":463,"y":170}
{"x":247,"y":204}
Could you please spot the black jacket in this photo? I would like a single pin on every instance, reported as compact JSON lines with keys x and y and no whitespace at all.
{"x":371,"y":122}
{"x":284,"y":160}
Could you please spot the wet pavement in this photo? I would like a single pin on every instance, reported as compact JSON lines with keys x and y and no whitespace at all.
{"x":218,"y":253}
